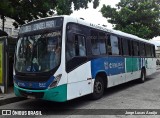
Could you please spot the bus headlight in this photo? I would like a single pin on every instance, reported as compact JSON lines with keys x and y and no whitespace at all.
{"x":55,"y":81}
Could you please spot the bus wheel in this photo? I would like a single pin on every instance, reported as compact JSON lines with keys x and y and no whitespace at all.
{"x":143,"y":76}
{"x":98,"y":88}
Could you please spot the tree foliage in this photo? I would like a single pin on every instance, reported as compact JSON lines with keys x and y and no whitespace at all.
{"x":23,"y":11}
{"x":138,"y":17}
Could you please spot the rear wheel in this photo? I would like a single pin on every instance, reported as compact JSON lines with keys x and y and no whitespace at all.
{"x":98,"y":88}
{"x":143,"y":76}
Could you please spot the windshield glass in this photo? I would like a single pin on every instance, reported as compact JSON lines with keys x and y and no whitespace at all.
{"x":38,"y":53}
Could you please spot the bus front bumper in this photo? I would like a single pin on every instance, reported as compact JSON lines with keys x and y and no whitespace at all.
{"x":58,"y":94}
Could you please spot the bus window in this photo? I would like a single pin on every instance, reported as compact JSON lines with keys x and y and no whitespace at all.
{"x":130,"y":48}
{"x":154,"y":55}
{"x":152,"y":50}
{"x":135,"y":48}
{"x":120,"y":46}
{"x":102,"y":43}
{"x":80,"y":45}
{"x":95,"y":42}
{"x":114,"y":45}
{"x":125,"y":47}
{"x":148,"y":50}
{"x":75,"y":46}
{"x":142,"y":49}
{"x":70,"y":46}
{"x":109,"y":48}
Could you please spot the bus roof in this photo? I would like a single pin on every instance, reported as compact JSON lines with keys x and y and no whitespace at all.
{"x":68,"y":18}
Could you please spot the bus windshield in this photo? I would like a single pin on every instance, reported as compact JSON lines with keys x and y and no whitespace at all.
{"x":38,"y":53}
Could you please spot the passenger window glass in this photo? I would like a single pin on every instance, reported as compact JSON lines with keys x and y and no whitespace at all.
{"x":95,"y":43}
{"x":75,"y":46}
{"x":70,"y":46}
{"x":102,"y":43}
{"x":135,"y":48}
{"x":109,"y":48}
{"x":125,"y":46}
{"x":80,"y":45}
{"x":148,"y":50}
{"x":114,"y":45}
{"x":142,"y":49}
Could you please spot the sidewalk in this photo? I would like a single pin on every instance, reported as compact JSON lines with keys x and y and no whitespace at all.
{"x":9,"y":97}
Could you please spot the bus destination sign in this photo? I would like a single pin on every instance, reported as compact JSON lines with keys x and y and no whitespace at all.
{"x":40,"y":25}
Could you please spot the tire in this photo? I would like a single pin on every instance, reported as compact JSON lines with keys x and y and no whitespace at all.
{"x":143,"y":76}
{"x":98,"y":89}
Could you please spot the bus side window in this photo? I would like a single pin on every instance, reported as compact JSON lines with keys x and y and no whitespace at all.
{"x":154,"y":55}
{"x":95,"y":42}
{"x":102,"y":42}
{"x":75,"y":46}
{"x":142,"y":49}
{"x":148,"y":50}
{"x":135,"y":48}
{"x":120,"y":45}
{"x":130,"y":48}
{"x":125,"y":46}
{"x":152,"y":50}
{"x":114,"y":45}
{"x":109,"y":47}
{"x":80,"y":49}
{"x":70,"y":53}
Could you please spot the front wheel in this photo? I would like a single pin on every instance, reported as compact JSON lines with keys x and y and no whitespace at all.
{"x":98,"y":88}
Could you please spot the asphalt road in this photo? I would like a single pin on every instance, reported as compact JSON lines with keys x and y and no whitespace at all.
{"x":130,"y":97}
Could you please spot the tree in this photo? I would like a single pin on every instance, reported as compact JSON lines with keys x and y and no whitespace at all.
{"x":138,"y":17}
{"x":23,"y":11}
{"x":5,"y":9}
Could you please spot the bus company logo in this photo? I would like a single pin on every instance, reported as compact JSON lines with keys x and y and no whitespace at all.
{"x":6,"y":112}
{"x":106,"y":65}
{"x":119,"y":65}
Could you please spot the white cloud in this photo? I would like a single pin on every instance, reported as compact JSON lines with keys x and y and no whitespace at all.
{"x":156,"y":38}
{"x":155,"y":41}
{"x":94,"y":15}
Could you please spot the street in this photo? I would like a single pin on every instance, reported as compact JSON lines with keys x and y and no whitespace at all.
{"x":131,"y":95}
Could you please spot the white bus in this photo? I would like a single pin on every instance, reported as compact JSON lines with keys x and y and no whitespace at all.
{"x":61,"y":58}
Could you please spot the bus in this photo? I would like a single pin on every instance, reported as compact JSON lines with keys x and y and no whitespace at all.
{"x":61,"y":58}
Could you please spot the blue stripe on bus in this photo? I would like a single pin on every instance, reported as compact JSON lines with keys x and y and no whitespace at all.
{"x":109,"y":65}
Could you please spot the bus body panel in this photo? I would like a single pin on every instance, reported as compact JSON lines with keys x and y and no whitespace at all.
{"x":58,"y":94}
{"x":114,"y":67}
{"x":79,"y":81}
{"x":150,"y":65}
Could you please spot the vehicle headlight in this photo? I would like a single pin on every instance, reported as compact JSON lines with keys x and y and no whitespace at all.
{"x":55,"y":81}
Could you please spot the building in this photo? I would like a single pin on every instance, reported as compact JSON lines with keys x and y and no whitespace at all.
{"x":9,"y":28}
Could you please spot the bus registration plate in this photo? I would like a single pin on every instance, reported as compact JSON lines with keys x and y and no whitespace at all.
{"x":31,"y":97}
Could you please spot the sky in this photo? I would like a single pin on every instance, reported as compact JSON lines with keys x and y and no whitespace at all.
{"x":95,"y":16}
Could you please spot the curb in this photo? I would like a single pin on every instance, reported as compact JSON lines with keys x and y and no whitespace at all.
{"x":11,"y":100}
